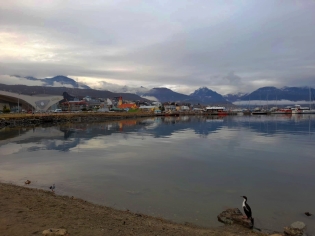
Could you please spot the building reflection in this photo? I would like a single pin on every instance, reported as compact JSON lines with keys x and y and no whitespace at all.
{"x":158,"y":127}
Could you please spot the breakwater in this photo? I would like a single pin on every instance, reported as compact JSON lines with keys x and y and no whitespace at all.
{"x":15,"y":120}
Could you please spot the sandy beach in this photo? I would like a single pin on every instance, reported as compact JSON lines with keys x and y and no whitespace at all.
{"x":29,"y":211}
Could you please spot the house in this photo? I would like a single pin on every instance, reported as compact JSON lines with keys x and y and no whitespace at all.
{"x":184,"y":108}
{"x":169,"y":108}
{"x":148,"y":108}
{"x":157,"y":104}
{"x":74,"y":105}
{"x":157,"y":112}
{"x":127,"y":106}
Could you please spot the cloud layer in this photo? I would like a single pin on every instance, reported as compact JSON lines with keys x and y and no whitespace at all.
{"x":224,"y":45}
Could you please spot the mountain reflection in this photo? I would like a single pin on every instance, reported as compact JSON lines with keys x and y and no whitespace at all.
{"x":68,"y":136}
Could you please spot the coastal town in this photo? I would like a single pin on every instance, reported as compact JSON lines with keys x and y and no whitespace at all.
{"x":12,"y":103}
{"x":157,"y":118}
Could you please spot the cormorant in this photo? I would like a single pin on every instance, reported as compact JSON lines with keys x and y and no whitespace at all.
{"x":247,"y":210}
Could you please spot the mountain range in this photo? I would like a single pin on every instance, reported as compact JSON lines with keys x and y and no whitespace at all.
{"x":57,"y":80}
{"x":75,"y":92}
{"x":59,"y":84}
{"x":276,"y":94}
{"x":202,"y":96}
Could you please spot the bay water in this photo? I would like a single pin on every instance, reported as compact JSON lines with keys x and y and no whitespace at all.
{"x":186,"y":169}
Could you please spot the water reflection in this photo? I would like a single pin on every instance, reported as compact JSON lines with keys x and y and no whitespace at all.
{"x":182,"y":168}
{"x":158,"y":128}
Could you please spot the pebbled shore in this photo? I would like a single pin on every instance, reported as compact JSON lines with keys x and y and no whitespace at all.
{"x":28,"y":211}
{"x":16,"y":120}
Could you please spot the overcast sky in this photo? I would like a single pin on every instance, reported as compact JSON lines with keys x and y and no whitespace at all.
{"x":228,"y":46}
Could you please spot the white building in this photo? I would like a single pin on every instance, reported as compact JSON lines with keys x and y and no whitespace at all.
{"x":35,"y":102}
{"x":184,"y":108}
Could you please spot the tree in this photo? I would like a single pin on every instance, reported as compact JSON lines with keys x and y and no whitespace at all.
{"x":5,"y":109}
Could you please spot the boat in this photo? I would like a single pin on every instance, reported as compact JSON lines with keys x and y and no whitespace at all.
{"x":310,"y":110}
{"x":259,"y":111}
{"x":216,"y":110}
{"x":238,"y":111}
{"x":286,"y":110}
{"x":246,"y":112}
{"x":299,"y":110}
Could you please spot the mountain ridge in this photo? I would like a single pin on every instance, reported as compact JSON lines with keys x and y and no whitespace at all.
{"x":203,"y":95}
{"x":272,"y":93}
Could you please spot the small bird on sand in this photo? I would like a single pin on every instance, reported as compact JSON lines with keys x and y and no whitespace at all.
{"x":52,"y":187}
{"x":307,"y":213}
{"x":27,"y":182}
{"x":247,"y":210}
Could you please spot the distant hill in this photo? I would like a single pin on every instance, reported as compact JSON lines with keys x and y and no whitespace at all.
{"x":166,"y":95}
{"x":75,"y":92}
{"x":60,"y":80}
{"x":205,"y":96}
{"x":233,"y":97}
{"x":273,"y":93}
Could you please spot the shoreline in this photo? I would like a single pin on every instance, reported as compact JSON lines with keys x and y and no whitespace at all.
{"x":30,"y":211}
{"x":14,"y":120}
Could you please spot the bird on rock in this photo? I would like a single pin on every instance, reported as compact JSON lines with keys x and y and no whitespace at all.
{"x":247,"y":210}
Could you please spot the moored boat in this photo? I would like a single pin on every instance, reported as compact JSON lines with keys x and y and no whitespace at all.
{"x":310,"y":110}
{"x":259,"y":111}
{"x":299,"y":110}
{"x":216,"y":110}
{"x":282,"y":111}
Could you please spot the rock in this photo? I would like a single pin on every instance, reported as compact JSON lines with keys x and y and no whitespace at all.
{"x":296,"y":229}
{"x":55,"y":232}
{"x":276,"y":235}
{"x":298,"y":225}
{"x":293,"y":232}
{"x":233,"y":216}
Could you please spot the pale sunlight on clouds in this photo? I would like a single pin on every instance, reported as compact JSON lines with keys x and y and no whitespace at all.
{"x":227,"y":46}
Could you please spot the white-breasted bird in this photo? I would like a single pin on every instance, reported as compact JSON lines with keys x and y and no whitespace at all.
{"x":52,"y":187}
{"x":247,"y":210}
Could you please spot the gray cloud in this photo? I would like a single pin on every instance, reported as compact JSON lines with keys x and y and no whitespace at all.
{"x":180,"y":44}
{"x":233,"y":79}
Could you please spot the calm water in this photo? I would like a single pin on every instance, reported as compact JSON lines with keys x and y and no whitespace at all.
{"x":183,"y":168}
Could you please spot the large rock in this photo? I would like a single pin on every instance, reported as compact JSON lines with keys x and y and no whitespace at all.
{"x":298,"y":225}
{"x":233,"y":216}
{"x":55,"y":232}
{"x":293,"y":232}
{"x":296,"y":229}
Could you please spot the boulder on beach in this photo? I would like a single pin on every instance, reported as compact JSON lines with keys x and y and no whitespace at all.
{"x":55,"y":232}
{"x":295,"y":229}
{"x":233,"y":216}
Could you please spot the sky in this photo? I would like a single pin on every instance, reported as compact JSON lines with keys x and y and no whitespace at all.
{"x":225,"y":45}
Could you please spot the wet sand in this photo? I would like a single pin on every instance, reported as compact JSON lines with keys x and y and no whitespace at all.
{"x":28,"y":211}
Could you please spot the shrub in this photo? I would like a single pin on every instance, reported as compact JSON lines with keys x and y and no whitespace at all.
{"x":5,"y":109}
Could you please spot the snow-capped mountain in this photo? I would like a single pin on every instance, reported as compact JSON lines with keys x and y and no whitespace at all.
{"x":167,"y":95}
{"x":274,"y":94}
{"x":206,"y":95}
{"x":285,"y":93}
{"x":232,"y":97}
{"x":59,"y":81}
